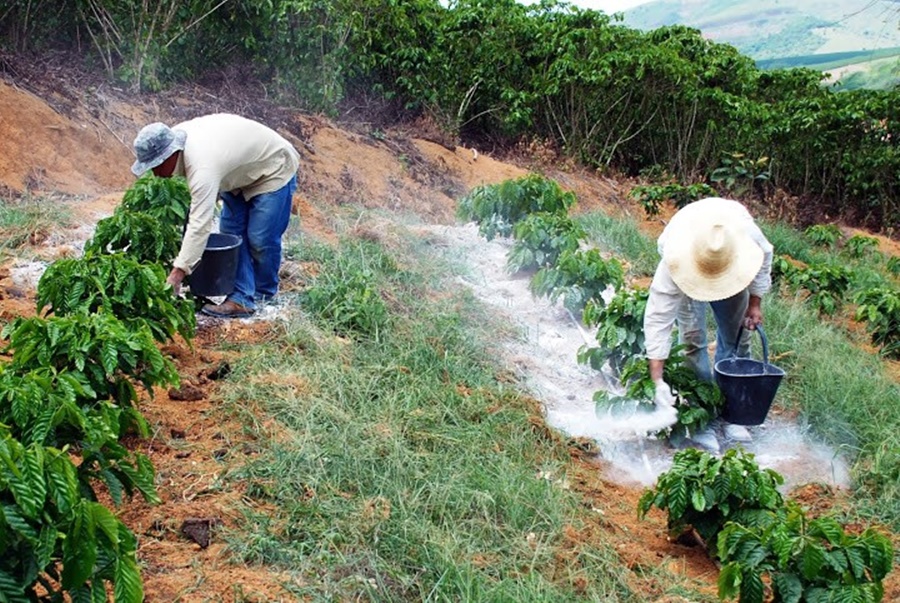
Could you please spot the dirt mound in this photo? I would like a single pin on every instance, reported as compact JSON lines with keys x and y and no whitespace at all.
{"x":42,"y":150}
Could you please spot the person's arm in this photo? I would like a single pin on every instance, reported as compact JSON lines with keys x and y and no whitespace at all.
{"x":659,"y":318}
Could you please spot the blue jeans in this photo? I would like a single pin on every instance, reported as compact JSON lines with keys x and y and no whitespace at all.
{"x":260,"y":221}
{"x":729,"y":314}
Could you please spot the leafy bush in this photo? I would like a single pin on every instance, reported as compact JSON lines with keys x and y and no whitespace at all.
{"x":704,"y":492}
{"x":139,"y":235}
{"x":859,"y":246}
{"x":135,"y":293}
{"x":805,"y":559}
{"x":620,"y":329}
{"x":53,"y":538}
{"x":739,"y":174}
{"x":824,"y":235}
{"x":880,"y":308}
{"x":783,"y":269}
{"x":59,"y":409}
{"x":345,"y":290}
{"x":540,"y":238}
{"x":827,"y":285}
{"x":652,"y":196}
{"x":101,"y":351}
{"x":578,"y":277}
{"x":166,"y":199}
{"x":893,"y":265}
{"x":497,"y":207}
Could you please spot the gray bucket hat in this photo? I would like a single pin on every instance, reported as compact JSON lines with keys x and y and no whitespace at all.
{"x":154,"y":144}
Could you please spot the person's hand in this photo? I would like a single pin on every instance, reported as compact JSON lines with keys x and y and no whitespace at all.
{"x":175,"y":278}
{"x":754,"y":316}
{"x":663,"y":395}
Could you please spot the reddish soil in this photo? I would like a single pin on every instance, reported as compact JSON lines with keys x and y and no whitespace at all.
{"x":57,"y":139}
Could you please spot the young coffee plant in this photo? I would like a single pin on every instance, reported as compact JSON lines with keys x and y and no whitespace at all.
{"x":703,"y":492}
{"x":54,"y":540}
{"x":652,"y":196}
{"x":802,"y":559}
{"x":345,"y":292}
{"x":860,"y":246}
{"x":783,"y":269}
{"x":539,"y":240}
{"x":140,"y":236}
{"x":497,"y":207}
{"x":827,"y":285}
{"x":135,"y":293}
{"x":893,"y":265}
{"x":701,"y":400}
{"x":880,"y":308}
{"x":102,"y":352}
{"x":824,"y":235}
{"x":166,"y":199}
{"x":620,"y":329}
{"x":578,"y":277}
{"x":58,"y":409}
{"x":740,"y":175}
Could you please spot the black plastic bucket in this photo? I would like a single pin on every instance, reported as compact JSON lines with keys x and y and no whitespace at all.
{"x":214,"y":274}
{"x":748,"y":385}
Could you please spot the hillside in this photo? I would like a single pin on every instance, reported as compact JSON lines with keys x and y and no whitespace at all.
{"x":68,"y":140}
{"x":772,"y":29}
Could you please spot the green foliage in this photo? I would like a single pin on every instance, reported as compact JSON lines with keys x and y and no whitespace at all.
{"x":652,"y":196}
{"x":578,"y":277}
{"x":346,"y":292}
{"x":700,"y":400}
{"x":805,"y":559}
{"x":166,"y":199}
{"x":704,"y":492}
{"x":739,"y":174}
{"x":100,"y":351}
{"x":860,"y":246}
{"x":135,"y":293}
{"x":59,"y":409}
{"x":824,"y":235}
{"x":893,"y":265}
{"x":140,"y":236}
{"x":880,"y":308}
{"x":827,"y":284}
{"x":496,"y":208}
{"x":540,"y":238}
{"x":620,"y":329}
{"x":53,"y":538}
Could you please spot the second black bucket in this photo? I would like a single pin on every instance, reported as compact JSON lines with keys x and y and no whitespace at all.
{"x":748,"y":385}
{"x":214,"y":274}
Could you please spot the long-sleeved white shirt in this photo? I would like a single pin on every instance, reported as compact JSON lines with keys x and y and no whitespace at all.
{"x":665,"y":297}
{"x":227,"y":153}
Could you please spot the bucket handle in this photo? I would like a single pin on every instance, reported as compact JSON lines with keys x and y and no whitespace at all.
{"x":762,"y":335}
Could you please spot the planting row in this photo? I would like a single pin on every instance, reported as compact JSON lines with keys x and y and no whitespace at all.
{"x":68,"y":396}
{"x":729,"y":503}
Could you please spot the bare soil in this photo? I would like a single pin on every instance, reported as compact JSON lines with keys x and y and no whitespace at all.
{"x":67,"y":135}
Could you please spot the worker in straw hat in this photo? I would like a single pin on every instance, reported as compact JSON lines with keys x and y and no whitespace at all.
{"x":713,"y":256}
{"x":254,"y":170}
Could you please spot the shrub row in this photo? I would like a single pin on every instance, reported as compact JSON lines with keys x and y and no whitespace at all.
{"x":68,"y":397}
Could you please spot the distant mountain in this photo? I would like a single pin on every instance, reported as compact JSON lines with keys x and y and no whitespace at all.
{"x":772,"y":29}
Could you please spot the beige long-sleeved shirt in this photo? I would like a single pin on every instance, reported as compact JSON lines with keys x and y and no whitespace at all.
{"x":227,"y":153}
{"x":666,"y":298}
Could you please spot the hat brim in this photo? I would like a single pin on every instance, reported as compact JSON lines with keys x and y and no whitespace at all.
{"x":138,"y":168}
{"x":678,"y":255}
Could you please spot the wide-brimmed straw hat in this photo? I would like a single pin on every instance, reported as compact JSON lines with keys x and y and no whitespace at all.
{"x":154,"y":144}
{"x":708,"y":251}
